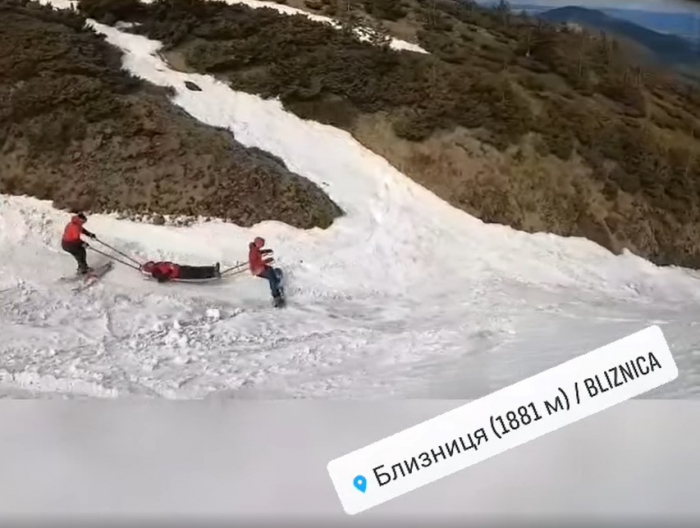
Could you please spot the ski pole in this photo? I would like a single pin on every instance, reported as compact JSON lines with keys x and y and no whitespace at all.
{"x":119,"y":252}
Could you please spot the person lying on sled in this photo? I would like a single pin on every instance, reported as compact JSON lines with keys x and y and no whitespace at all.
{"x":169,"y":271}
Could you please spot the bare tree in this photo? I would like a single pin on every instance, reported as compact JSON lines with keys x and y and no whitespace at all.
{"x":348,"y":17}
{"x":605,"y":51}
{"x":504,"y":11}
{"x":528,"y":40}
{"x":691,"y":155}
{"x":432,"y":14}
{"x":581,"y":56}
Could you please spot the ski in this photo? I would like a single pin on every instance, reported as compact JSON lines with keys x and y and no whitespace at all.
{"x":93,"y":276}
{"x":78,"y":277}
{"x":71,"y":278}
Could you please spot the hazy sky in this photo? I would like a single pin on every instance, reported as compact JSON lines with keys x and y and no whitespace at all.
{"x":646,"y":5}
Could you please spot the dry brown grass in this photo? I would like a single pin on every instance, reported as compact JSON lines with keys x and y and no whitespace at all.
{"x":78,"y":130}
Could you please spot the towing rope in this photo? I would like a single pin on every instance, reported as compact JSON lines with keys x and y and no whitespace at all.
{"x":235,"y":270}
{"x":137,"y":268}
{"x":139,"y":264}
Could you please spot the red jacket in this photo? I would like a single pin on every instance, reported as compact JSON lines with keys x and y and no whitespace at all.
{"x":166,"y":270}
{"x":162,"y":270}
{"x":256,"y":262}
{"x":73,"y":231}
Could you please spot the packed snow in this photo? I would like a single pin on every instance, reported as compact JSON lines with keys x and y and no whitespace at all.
{"x":404,"y":296}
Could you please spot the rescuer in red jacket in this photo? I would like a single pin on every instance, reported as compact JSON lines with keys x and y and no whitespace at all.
{"x":260,"y":267}
{"x":72,"y":242}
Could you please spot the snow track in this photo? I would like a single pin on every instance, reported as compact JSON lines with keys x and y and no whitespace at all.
{"x":405,"y":296}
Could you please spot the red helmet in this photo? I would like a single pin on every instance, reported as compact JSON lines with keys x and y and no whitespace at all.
{"x":259,"y":242}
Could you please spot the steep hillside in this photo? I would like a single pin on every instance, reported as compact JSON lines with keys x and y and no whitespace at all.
{"x":77,"y":129}
{"x":511,"y":119}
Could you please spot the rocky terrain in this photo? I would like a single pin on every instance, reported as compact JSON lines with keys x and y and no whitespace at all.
{"x":77,"y":129}
{"x":513,"y":120}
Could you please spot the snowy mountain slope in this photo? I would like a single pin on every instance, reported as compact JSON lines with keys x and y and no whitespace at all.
{"x":363,"y":33}
{"x":403,"y":297}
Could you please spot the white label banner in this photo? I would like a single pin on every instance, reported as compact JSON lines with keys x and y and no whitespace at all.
{"x":505,"y":419}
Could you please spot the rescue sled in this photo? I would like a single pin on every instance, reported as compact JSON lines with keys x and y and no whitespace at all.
{"x":149,"y":276}
{"x":177,"y":273}
{"x":171,"y":272}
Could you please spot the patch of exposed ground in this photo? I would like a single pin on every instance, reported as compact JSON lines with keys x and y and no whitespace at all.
{"x":517,"y":186}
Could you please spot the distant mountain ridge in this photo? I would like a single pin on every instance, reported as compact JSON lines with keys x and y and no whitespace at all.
{"x":670,"y":49}
{"x":682,"y":24}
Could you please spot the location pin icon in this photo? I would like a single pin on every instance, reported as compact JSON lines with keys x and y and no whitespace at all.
{"x":360,"y":483}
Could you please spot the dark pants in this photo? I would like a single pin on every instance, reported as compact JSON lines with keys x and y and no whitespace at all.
{"x":79,"y":254}
{"x":198,"y":272}
{"x":273,"y":275}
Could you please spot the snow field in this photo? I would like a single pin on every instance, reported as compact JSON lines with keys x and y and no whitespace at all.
{"x":405,"y":296}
